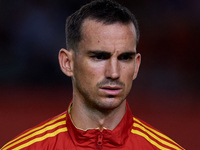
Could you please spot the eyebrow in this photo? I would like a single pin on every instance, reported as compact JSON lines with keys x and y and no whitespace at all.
{"x":96,"y":52}
{"x":128,"y":53}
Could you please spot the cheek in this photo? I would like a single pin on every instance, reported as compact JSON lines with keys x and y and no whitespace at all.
{"x":128,"y":71}
{"x":96,"y":69}
{"x":92,"y":73}
{"x":127,"y":75}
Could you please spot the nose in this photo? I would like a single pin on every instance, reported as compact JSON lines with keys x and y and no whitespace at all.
{"x":112,"y":69}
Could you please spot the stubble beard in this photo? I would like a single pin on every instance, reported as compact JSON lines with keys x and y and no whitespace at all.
{"x":96,"y":103}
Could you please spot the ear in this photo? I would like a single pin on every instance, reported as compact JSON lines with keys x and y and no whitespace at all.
{"x":137,"y":65}
{"x":66,"y":61}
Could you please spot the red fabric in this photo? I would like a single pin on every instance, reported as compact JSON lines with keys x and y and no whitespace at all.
{"x":59,"y":133}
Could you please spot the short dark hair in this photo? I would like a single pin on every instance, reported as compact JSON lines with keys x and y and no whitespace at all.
{"x":106,"y":11}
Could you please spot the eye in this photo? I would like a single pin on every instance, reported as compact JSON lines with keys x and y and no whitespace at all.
{"x":125,"y":57}
{"x":100,"y":56}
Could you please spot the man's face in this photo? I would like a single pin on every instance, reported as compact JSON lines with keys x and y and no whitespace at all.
{"x":105,"y":65}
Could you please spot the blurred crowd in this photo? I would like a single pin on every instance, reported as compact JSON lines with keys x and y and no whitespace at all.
{"x":33,"y":31}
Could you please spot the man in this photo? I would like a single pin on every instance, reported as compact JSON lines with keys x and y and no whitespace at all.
{"x":102,"y":61}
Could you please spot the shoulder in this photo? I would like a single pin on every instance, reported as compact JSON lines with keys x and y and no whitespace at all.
{"x":145,"y":133}
{"x":45,"y":130}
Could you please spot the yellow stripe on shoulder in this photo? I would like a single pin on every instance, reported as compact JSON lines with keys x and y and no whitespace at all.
{"x":143,"y":126}
{"x":37,"y":133}
{"x":148,"y":139}
{"x":14,"y":141}
{"x":155,"y":137}
{"x":41,"y":138}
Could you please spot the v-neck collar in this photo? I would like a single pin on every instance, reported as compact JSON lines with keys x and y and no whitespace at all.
{"x":109,"y":138}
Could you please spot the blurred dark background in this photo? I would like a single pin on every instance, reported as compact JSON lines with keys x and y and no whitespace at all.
{"x":166,"y":93}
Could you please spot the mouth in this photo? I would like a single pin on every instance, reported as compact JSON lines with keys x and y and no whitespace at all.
{"x":111,"y":90}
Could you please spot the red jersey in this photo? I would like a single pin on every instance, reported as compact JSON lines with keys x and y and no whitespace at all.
{"x":59,"y":133}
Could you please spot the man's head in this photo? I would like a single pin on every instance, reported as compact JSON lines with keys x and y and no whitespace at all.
{"x":105,"y":11}
{"x":102,"y":60}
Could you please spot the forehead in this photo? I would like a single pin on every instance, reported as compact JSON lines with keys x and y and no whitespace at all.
{"x":93,"y":26}
{"x":97,"y":35}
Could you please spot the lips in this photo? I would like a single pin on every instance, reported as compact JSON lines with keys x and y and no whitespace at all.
{"x":111,"y":90}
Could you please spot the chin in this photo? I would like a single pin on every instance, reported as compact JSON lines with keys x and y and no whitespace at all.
{"x":110,"y":103}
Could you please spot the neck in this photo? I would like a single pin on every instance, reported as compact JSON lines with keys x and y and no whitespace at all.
{"x":85,"y":118}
